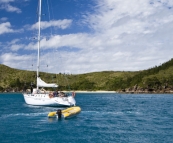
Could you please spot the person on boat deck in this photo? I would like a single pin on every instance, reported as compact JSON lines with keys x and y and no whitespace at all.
{"x":55,"y":93}
{"x":31,"y":89}
{"x":73,"y":93}
{"x":51,"y":94}
{"x":62,"y":94}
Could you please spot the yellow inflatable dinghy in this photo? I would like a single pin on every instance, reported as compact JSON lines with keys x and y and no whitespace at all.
{"x":66,"y":113}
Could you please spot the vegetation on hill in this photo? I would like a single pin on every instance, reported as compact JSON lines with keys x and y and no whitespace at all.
{"x":156,"y":78}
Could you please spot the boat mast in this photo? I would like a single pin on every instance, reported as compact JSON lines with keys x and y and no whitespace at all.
{"x":38,"y":56}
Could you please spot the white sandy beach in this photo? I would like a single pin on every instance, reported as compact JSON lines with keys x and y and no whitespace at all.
{"x":98,"y":91}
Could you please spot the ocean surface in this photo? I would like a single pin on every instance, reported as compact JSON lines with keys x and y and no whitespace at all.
{"x":105,"y":118}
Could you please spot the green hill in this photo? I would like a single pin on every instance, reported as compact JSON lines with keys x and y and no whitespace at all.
{"x":155,"y":79}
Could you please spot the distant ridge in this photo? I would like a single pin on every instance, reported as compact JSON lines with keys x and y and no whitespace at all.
{"x":158,"y":79}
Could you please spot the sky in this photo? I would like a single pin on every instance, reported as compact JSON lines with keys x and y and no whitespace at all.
{"x":83,"y":36}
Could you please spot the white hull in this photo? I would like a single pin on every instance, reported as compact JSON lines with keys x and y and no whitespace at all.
{"x":45,"y":100}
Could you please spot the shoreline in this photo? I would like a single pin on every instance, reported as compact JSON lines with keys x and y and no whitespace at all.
{"x":80,"y":91}
{"x":101,"y":91}
{"x":76,"y":91}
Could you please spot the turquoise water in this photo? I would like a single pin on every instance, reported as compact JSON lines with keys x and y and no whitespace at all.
{"x":120,"y":118}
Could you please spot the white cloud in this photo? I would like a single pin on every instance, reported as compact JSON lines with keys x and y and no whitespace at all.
{"x":15,"y":60}
{"x":5,"y":28}
{"x":5,"y":5}
{"x":3,"y":19}
{"x":14,"y":41}
{"x":126,"y":35}
{"x":10,"y":8}
{"x":16,"y":47}
{"x":63,"y":24}
{"x":6,"y":1}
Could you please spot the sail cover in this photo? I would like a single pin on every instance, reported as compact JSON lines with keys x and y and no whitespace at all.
{"x":41,"y":83}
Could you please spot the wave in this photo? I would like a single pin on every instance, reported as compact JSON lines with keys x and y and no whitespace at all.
{"x":112,"y":112}
{"x":24,"y":115}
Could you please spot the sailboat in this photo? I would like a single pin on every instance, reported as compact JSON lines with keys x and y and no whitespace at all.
{"x":45,"y":98}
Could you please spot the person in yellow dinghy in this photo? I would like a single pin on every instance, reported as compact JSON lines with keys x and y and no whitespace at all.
{"x":59,"y":113}
{"x":66,"y":113}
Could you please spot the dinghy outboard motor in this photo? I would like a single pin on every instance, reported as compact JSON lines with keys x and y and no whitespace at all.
{"x":59,"y":113}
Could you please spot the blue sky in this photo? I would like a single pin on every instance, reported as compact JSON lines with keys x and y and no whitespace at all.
{"x":82,"y":36}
